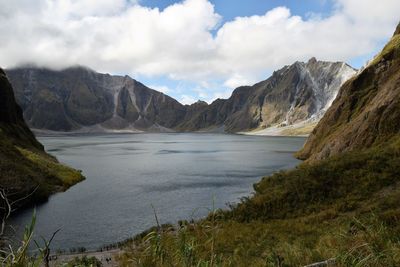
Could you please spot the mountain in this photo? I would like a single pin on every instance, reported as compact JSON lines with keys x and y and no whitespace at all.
{"x":366,"y":111}
{"x":26,"y":170}
{"x":294,"y":94}
{"x":81,"y":99}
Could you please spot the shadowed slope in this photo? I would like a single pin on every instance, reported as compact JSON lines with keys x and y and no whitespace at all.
{"x":25,"y":168}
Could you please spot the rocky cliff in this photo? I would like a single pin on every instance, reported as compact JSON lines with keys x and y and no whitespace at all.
{"x":81,"y":99}
{"x":25,"y":168}
{"x":11,"y":120}
{"x":366,"y":111}
{"x":296,"y":93}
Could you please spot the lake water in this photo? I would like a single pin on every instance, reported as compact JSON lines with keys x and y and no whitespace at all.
{"x":181,"y":175}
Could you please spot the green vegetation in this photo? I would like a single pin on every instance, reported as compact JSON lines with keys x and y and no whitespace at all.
{"x":65,"y":174}
{"x":344,"y":207}
{"x":391,"y":50}
{"x":19,"y":257}
{"x":31,"y":172}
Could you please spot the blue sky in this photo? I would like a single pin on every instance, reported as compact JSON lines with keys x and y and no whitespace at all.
{"x":229,"y":9}
{"x":193,"y":49}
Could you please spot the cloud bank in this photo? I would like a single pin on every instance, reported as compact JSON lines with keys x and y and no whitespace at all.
{"x":187,"y":40}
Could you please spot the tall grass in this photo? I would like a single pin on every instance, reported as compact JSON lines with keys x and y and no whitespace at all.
{"x":345,"y":208}
{"x":369,"y":244}
{"x":19,"y":257}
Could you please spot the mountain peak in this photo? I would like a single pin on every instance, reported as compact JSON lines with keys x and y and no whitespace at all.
{"x":79,"y":68}
{"x":365,"y":112}
{"x":397,"y":30}
{"x":201,"y":102}
{"x":312,"y":60}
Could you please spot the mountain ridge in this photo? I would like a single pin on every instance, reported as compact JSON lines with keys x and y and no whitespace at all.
{"x":283,"y":99}
{"x":83,"y":100}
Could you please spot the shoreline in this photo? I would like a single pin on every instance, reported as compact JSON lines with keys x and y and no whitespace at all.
{"x":103,"y":256}
{"x":270,"y":132}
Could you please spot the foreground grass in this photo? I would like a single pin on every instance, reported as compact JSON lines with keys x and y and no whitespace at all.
{"x":345,"y":207}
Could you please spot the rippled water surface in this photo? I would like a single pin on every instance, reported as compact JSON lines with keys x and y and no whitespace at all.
{"x":179,"y":174}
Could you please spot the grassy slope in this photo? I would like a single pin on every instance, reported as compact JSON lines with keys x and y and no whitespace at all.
{"x":312,"y":213}
{"x":366,"y":111}
{"x":24,"y":171}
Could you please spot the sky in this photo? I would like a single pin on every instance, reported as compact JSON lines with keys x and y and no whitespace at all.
{"x":192,"y":49}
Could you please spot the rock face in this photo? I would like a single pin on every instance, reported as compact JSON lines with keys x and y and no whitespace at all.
{"x":80,"y":98}
{"x":25,"y":168}
{"x":12,"y":122}
{"x":366,"y":111}
{"x":397,"y":30}
{"x":293,"y":94}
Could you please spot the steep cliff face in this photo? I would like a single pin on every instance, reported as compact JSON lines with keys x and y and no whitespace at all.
{"x":397,"y":31}
{"x":366,"y":111}
{"x":82,"y":99}
{"x":25,"y":168}
{"x":79,"y":97}
{"x":11,"y":120}
{"x":293,"y":94}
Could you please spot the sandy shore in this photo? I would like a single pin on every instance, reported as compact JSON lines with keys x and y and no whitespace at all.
{"x":300,"y":129}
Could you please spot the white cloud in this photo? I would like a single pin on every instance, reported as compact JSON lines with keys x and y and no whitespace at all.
{"x":237,"y":80}
{"x":209,"y":93}
{"x":120,"y":36}
{"x":252,"y":44}
{"x":187,"y":99}
{"x":161,"y":88}
{"x":223,"y":95}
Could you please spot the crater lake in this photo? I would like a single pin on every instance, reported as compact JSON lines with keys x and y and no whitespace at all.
{"x":183,"y":176}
